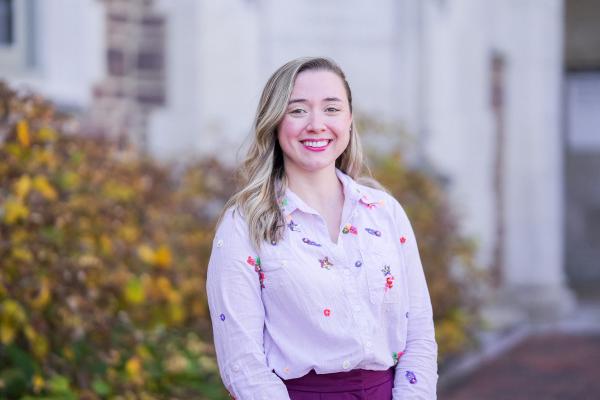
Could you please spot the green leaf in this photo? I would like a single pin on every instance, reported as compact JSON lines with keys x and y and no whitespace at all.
{"x":101,"y":387}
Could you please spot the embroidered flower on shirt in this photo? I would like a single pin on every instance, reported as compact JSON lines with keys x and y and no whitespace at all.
{"x":412,"y":378}
{"x":358,"y":264}
{"x":386,"y":270}
{"x":389,"y":282}
{"x":222,"y":316}
{"x":402,"y":239}
{"x":370,"y":205}
{"x":396,"y":356}
{"x":256,"y":264}
{"x":283,"y":202}
{"x":293,"y":226}
{"x":325,"y":263}
{"x":310,"y":242}
{"x":327,"y":312}
{"x":373,"y":232}
{"x":349,"y":228}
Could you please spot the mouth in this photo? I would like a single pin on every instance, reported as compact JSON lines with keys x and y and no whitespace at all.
{"x":316,"y":145}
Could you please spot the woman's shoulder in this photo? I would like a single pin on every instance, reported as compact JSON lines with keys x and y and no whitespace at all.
{"x":232,"y":221}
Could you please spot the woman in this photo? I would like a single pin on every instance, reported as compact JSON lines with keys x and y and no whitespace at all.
{"x":315,"y":285}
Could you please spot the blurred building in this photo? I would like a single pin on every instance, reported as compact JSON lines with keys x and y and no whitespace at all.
{"x":500,"y":96}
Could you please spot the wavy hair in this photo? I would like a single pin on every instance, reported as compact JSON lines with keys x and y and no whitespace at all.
{"x":263,"y":181}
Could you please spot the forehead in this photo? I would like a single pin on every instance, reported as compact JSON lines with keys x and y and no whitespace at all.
{"x":318,"y":84}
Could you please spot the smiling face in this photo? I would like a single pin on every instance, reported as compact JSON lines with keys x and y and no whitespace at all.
{"x":315,"y":129}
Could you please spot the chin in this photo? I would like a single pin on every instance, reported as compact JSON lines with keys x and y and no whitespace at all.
{"x":315,"y":167}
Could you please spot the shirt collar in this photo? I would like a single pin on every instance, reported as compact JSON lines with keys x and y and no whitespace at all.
{"x":291,"y":202}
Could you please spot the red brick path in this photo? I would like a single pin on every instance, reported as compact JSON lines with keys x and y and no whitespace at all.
{"x":544,"y":367}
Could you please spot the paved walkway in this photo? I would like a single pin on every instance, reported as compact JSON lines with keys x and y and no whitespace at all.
{"x":546,"y":366}
{"x":560,"y":361}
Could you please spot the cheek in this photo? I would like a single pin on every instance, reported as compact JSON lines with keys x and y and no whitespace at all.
{"x":288,"y":129}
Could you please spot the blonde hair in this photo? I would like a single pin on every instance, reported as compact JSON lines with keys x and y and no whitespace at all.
{"x":262,"y":169}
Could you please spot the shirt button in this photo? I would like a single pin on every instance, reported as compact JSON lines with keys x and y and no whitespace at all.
{"x":346,"y":364}
{"x":368,"y":344}
{"x":220,"y":243}
{"x":235,"y":367}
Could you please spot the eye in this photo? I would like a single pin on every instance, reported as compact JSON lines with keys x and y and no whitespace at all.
{"x":332,"y":109}
{"x":297,"y":111}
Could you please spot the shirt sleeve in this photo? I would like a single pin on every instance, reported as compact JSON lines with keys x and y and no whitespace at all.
{"x":416,"y":371}
{"x":237,"y":313}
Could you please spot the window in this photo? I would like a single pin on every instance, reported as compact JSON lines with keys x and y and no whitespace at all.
{"x":17,"y":36}
{"x":6,"y":22}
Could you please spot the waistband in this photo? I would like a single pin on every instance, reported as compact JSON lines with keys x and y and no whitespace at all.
{"x":357,"y":379}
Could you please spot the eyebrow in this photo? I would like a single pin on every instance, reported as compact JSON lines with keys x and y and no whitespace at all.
{"x":292,"y":101}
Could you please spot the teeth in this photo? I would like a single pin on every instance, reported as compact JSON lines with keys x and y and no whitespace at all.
{"x":320,"y":143}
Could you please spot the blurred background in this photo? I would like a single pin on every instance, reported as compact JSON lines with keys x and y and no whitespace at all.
{"x":121,"y":123}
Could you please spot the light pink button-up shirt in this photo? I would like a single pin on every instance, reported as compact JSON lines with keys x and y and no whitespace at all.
{"x":308,"y":303}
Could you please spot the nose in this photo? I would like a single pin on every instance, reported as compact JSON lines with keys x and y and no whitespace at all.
{"x":316,"y":124}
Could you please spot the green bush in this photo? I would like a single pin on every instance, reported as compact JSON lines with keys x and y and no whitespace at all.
{"x":103,"y":257}
{"x":102,"y":264}
{"x":447,"y":257}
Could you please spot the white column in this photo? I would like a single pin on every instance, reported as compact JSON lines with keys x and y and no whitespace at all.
{"x":534,"y":258}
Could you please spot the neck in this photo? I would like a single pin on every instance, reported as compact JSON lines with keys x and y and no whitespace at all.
{"x":316,"y":188}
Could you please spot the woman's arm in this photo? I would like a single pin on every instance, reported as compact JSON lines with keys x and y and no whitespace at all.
{"x":237,"y":313}
{"x":416,"y":371}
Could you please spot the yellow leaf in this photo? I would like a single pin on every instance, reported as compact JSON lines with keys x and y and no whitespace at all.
{"x":38,"y":383}
{"x":23,"y":133}
{"x":22,"y":186}
{"x":47,"y":158}
{"x":146,"y":254}
{"x":133,"y":367}
{"x":162,"y":257}
{"x":43,"y":297}
{"x":7,"y":333}
{"x":129,"y":233}
{"x":143,"y":352}
{"x":13,"y":311}
{"x":134,"y":291}
{"x":164,"y":286}
{"x":106,"y":245}
{"x":176,"y":313}
{"x":69,"y":180}
{"x":21,"y":254}
{"x":47,"y":134}
{"x":39,"y":346}
{"x":41,"y":184}
{"x":38,"y":343}
{"x":29,"y":332}
{"x":12,"y":318}
{"x":14,"y":210}
{"x":69,"y":353}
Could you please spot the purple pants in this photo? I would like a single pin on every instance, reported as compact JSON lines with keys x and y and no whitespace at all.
{"x":358,"y":384}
